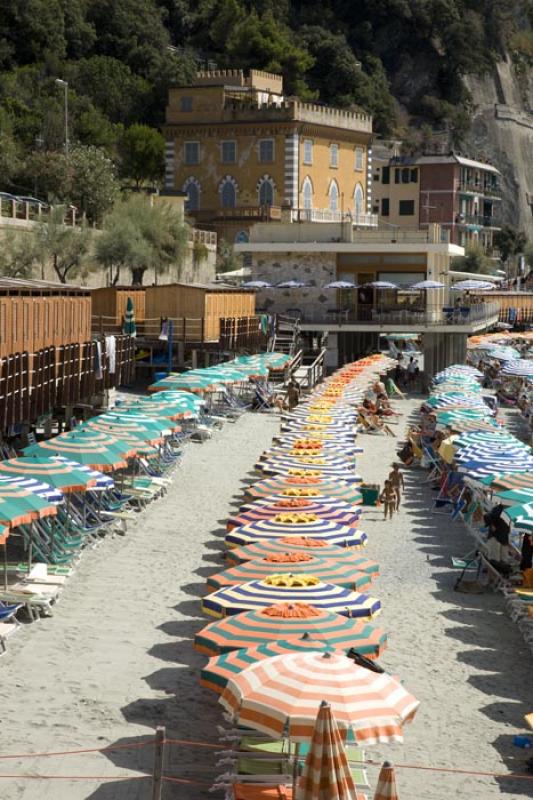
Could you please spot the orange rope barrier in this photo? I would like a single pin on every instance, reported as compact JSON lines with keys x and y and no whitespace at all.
{"x":77,"y":752}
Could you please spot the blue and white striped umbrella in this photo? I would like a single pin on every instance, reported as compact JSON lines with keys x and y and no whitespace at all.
{"x":381,"y":285}
{"x":428,"y":285}
{"x":472,"y":285}
{"x":488,"y":437}
{"x":326,"y":530}
{"x":261,"y":594}
{"x":521,"y":368}
{"x":340,"y":285}
{"x":479,"y":468}
{"x":103,"y":482}
{"x":487,"y":456}
{"x":520,"y":517}
{"x":451,"y":399}
{"x":39,"y":488}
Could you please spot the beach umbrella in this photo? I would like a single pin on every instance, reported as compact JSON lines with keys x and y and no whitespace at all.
{"x":91,"y":448}
{"x":284,"y":587}
{"x":386,"y":788}
{"x":282,"y":695}
{"x":428,"y":285}
{"x":301,"y":544}
{"x":221,"y":668}
{"x":340,"y":285}
{"x":55,"y":473}
{"x":314,"y":466}
{"x":304,"y":486}
{"x":327,"y":570}
{"x":503,"y":354}
{"x":292,"y":285}
{"x":326,"y":774}
{"x":336,"y":510}
{"x":381,"y":285}
{"x":43,"y":490}
{"x":293,"y":448}
{"x":520,"y":517}
{"x":289,"y":623}
{"x":508,"y":480}
{"x":448,"y":399}
{"x":201,"y":384}
{"x":316,"y":528}
{"x":483,"y":468}
{"x":487,"y":454}
{"x":471,"y":286}
{"x":135,"y":441}
{"x":103,"y":482}
{"x":155,"y":409}
{"x":138,"y":422}
{"x":129,"y":327}
{"x":514,"y":497}
{"x":489,"y":437}
{"x":256,"y":285}
{"x":116,"y":426}
{"x":521,"y":368}
{"x":19,"y":506}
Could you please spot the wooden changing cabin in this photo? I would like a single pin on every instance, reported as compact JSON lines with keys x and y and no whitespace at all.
{"x":109,"y":305}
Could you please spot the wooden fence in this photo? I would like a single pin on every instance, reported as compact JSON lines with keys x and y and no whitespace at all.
{"x":241,"y":333}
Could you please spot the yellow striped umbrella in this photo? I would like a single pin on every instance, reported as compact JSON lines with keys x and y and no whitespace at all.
{"x":386,"y":788}
{"x":281,"y":696}
{"x":326,"y":773}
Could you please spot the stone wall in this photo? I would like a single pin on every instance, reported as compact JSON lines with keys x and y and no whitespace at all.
{"x":315,"y":269}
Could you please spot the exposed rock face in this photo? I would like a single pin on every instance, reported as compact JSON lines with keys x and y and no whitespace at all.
{"x":502,"y":130}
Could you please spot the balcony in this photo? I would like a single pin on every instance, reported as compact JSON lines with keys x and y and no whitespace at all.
{"x":480,"y":220}
{"x":325,"y":215}
{"x":479,"y":187}
{"x":465,"y":319}
{"x":248,"y":214}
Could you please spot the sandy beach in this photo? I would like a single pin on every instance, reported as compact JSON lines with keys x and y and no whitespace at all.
{"x":116,"y":659}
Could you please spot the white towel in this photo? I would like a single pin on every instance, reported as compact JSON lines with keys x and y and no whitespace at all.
{"x":111,"y":350}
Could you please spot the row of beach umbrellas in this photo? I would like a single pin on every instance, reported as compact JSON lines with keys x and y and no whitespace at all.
{"x":294,"y":611}
{"x":425,"y":285}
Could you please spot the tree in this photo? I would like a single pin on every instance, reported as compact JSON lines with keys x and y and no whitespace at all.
{"x":111,"y":86}
{"x":64,"y":246}
{"x":92,"y":186}
{"x":474,"y":260}
{"x":509,"y":241}
{"x":17,"y":255}
{"x":227,"y":260}
{"x":142,"y":153}
{"x":140,"y":235}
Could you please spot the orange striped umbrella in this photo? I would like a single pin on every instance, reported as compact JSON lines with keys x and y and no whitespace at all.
{"x":326,"y":774}
{"x":284,"y":693}
{"x":302,"y":544}
{"x":386,"y":788}
{"x":4,"y":533}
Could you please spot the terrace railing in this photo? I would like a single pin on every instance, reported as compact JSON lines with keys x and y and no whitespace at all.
{"x":427,"y":316}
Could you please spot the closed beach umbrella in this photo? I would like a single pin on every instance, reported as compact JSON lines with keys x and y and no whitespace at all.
{"x":283,"y":694}
{"x":386,"y":788}
{"x":43,"y":490}
{"x":326,"y":774}
{"x":129,"y":327}
{"x":302,"y":544}
{"x":316,"y":528}
{"x":55,"y":473}
{"x":327,"y":570}
{"x":287,"y":588}
{"x":221,"y":668}
{"x":290,"y":622}
{"x":294,"y":486}
{"x":336,"y":510}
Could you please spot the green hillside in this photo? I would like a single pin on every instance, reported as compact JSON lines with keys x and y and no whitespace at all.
{"x":402,"y":60}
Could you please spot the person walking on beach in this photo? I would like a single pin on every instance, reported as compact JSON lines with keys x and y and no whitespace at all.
{"x":412,"y":370}
{"x":388,"y":498}
{"x":396,"y":478}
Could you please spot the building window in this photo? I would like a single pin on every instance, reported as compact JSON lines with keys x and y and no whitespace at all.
{"x":397,"y":175}
{"x":407,"y":208}
{"x":385,"y":175}
{"x":185,"y":103}
{"x":228,"y":192}
{"x":191,"y":153}
{"x":242,"y":237}
{"x":308,"y":151}
{"x":266,"y":192}
{"x":266,"y":151}
{"x":334,"y":155}
{"x":385,"y":206}
{"x":229,"y":152}
{"x":414,"y":176}
{"x":359,"y":200}
{"x":192,"y":189}
{"x":307,"y":192}
{"x":359,"y":156}
{"x":406,"y":175}
{"x":333,"y":196}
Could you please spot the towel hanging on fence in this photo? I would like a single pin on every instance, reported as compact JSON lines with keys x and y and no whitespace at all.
{"x":163,"y":334}
{"x":98,"y":372}
{"x":111,"y":350}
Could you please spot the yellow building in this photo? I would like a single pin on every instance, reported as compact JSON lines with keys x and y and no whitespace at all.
{"x":242,"y":151}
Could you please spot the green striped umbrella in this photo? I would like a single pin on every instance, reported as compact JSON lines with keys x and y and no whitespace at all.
{"x":20,"y":506}
{"x":93,"y":449}
{"x":189,"y":383}
{"x":55,"y":473}
{"x":503,"y":481}
{"x":219,"y":669}
{"x":293,"y":544}
{"x":129,"y":327}
{"x":287,"y":622}
{"x":514,"y":497}
{"x":520,"y":517}
{"x":136,"y":441}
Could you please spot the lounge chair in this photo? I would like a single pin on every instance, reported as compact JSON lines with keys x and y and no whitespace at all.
{"x":7,"y":629}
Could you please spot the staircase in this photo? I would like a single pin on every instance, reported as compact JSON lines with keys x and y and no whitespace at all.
{"x":286,"y":335}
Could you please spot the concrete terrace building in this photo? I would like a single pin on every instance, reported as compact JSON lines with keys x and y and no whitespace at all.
{"x":241,"y":151}
{"x":460,"y":194}
{"x":317,"y":255}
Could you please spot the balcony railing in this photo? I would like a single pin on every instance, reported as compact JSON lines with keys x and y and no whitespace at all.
{"x":202,"y":237}
{"x":478,"y":187}
{"x":431,"y":315}
{"x":483,"y":220}
{"x":325,"y":215}
{"x":31,"y":211}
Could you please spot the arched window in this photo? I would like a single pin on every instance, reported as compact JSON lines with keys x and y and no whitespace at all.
{"x":307,"y":191}
{"x":359,"y":200}
{"x":192,"y":189}
{"x":228,"y":192}
{"x":333,"y":196}
{"x":266,"y":192}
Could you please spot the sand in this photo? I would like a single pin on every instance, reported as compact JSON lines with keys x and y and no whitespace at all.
{"x":116,"y":659}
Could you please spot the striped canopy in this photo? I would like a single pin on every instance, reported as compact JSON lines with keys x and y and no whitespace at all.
{"x":159,"y":410}
{"x":305,"y":485}
{"x":520,"y":516}
{"x":498,"y":437}
{"x":289,"y":622}
{"x":175,"y":397}
{"x":482,"y":468}
{"x":326,"y":500}
{"x":295,"y":544}
{"x":139,"y":442}
{"x":514,"y":497}
{"x":486,"y":454}
{"x":521,"y":368}
{"x":386,"y":788}
{"x":283,"y":694}
{"x":508,"y":480}
{"x":326,"y":774}
{"x":285,"y":588}
{"x":221,"y":668}
{"x":328,"y":570}
{"x":200,"y":384}
{"x":55,"y":473}
{"x":293,"y":447}
{"x":20,"y":507}
{"x":103,"y":482}
{"x":324,"y":529}
{"x":92,"y":448}
{"x":459,"y":399}
{"x":131,"y":420}
{"x":336,"y":510}
{"x":453,"y":415}
{"x":503,"y":354}
{"x":297,"y":468}
{"x":43,"y":490}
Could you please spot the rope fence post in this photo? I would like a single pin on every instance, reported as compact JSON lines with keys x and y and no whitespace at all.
{"x":159,"y":752}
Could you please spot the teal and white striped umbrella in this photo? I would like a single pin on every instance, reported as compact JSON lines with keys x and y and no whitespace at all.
{"x":520,"y":517}
{"x":128,"y":326}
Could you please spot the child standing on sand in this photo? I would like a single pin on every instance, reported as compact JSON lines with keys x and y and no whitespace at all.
{"x":389,"y":499}
{"x":396,"y":478}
